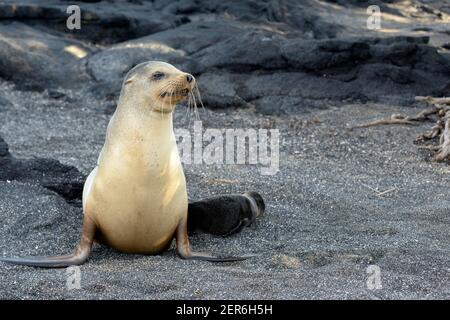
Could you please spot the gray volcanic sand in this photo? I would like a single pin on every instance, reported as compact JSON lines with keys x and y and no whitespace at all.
{"x":342,"y":200}
{"x":324,"y":223}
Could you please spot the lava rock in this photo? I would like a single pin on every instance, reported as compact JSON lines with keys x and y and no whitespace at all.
{"x":65,"y":180}
{"x":101,"y":22}
{"x":34,"y":59}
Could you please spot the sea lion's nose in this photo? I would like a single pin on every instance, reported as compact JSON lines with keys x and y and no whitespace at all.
{"x":189,"y":78}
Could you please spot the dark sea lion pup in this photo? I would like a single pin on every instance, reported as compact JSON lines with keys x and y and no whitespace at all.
{"x":135,"y":199}
{"x":225,"y":215}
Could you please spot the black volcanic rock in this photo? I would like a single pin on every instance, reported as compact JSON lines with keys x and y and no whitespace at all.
{"x":322,"y":69}
{"x":232,"y":70}
{"x":243,"y":53}
{"x":48,"y":173}
{"x":36,"y":60}
{"x":174,"y":46}
{"x":101,"y":21}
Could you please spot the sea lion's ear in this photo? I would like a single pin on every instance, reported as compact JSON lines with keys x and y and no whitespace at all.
{"x":130,"y":79}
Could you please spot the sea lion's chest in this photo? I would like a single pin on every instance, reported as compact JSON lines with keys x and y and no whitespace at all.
{"x":138,"y":196}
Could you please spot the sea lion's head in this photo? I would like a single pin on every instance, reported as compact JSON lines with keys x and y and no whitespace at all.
{"x":159,"y":84}
{"x":261,"y":206}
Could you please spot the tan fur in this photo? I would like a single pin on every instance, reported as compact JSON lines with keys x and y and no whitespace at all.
{"x":135,"y":200}
{"x":137,"y":194}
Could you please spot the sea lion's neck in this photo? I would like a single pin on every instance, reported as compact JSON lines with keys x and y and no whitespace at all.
{"x":136,"y":124}
{"x":137,"y":138}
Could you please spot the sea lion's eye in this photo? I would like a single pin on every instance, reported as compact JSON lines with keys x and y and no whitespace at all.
{"x":157,"y":75}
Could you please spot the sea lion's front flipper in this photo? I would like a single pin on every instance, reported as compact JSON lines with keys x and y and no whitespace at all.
{"x":184,"y":248}
{"x":79,"y":256}
{"x":241,"y":224}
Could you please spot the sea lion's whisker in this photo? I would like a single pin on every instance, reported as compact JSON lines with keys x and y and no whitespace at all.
{"x":189,"y":102}
{"x":191,"y":105}
{"x":166,"y":92}
{"x":197,"y":92}
{"x":188,"y":106}
{"x":195,"y":107}
{"x":190,"y":116}
{"x":163,"y":89}
{"x":170,"y":96}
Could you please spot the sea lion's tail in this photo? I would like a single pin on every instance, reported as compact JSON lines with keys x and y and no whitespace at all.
{"x":78,"y":257}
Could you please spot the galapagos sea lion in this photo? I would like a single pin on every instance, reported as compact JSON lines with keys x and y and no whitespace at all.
{"x":135,"y":199}
{"x":225,"y":215}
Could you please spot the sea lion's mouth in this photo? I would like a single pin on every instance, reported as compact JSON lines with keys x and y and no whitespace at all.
{"x":179,"y":93}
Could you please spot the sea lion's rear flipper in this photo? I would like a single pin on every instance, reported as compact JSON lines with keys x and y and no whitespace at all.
{"x":241,"y":224}
{"x":79,"y":256}
{"x":48,"y":262}
{"x":184,"y":248}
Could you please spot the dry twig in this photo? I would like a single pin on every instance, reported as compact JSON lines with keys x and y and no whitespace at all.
{"x":444,"y":141}
{"x":401,"y":119}
{"x":440,"y":109}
